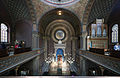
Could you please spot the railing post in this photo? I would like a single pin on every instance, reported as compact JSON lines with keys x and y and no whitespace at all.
{"x":102,"y":70}
{"x":16,"y":70}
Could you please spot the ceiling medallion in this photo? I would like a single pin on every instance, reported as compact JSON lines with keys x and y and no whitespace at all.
{"x":60,"y":2}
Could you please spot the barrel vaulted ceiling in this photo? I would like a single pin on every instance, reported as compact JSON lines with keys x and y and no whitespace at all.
{"x":86,"y":10}
{"x":17,"y":9}
{"x":101,"y":9}
{"x":41,"y":8}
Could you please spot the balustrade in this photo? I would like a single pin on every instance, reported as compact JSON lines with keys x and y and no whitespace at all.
{"x":9,"y":62}
{"x":105,"y":61}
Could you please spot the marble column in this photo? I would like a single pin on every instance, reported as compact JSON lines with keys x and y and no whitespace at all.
{"x":12,"y":34}
{"x":84,"y":41}
{"x":84,"y":38}
{"x":35,"y":40}
{"x":35,"y":37}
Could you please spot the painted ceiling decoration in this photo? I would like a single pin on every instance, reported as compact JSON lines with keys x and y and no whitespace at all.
{"x":60,"y":2}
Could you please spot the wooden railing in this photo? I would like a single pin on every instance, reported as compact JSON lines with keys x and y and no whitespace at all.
{"x":9,"y":62}
{"x":105,"y":61}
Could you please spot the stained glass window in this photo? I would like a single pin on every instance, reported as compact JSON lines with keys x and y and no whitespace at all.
{"x":93,"y":30}
{"x":99,"y":29}
{"x":115,"y":33}
{"x":3,"y":33}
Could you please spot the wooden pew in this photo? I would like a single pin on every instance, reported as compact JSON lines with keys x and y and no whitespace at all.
{"x":3,"y":53}
{"x":97,"y":50}
{"x":22,"y":50}
{"x":113,"y":53}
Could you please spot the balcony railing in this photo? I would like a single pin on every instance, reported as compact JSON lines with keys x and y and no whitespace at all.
{"x":105,"y":61}
{"x":9,"y":62}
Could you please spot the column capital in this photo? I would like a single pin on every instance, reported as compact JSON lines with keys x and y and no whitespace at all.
{"x":84,"y":27}
{"x":73,"y":38}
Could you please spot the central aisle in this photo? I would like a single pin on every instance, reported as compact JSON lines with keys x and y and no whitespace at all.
{"x":59,"y":68}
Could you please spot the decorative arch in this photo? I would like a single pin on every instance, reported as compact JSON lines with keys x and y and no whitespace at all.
{"x":59,"y":24}
{"x":87,"y":11}
{"x":49,"y":12}
{"x":59,"y":3}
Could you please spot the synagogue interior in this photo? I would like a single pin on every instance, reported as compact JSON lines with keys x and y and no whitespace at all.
{"x":59,"y":37}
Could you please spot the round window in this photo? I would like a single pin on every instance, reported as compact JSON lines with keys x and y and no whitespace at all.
{"x":60,"y":34}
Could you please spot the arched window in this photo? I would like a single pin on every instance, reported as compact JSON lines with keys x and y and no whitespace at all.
{"x":4,"y":34}
{"x":98,"y":30}
{"x":93,"y":30}
{"x":115,"y":33}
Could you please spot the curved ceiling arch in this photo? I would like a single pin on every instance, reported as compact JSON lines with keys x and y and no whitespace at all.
{"x":66,"y":15}
{"x":60,"y":3}
{"x":100,"y":9}
{"x":58,"y":23}
{"x":87,"y":11}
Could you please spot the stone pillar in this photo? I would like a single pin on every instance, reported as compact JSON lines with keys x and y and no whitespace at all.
{"x":46,"y":53}
{"x":83,"y":71}
{"x":84,"y":38}
{"x":35,"y":40}
{"x":73,"y":47}
{"x":12,"y":34}
{"x":35,"y":37}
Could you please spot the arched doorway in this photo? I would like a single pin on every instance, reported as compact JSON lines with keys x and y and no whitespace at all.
{"x":59,"y":55}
